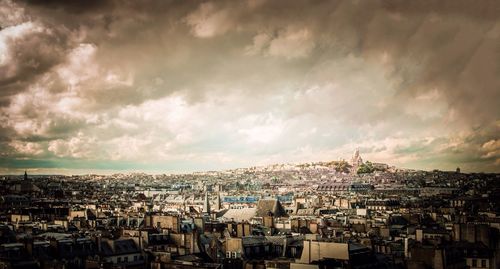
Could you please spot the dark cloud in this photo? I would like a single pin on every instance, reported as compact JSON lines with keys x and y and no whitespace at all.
{"x":76,"y":6}
{"x":30,"y":56}
{"x":485,"y":10}
{"x":431,"y":43}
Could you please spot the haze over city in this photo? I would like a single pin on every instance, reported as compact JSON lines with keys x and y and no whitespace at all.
{"x":180,"y":86}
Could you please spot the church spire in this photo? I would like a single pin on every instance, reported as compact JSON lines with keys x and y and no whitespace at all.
{"x":25,"y":175}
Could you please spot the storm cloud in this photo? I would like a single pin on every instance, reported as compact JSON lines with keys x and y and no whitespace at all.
{"x":173,"y":86}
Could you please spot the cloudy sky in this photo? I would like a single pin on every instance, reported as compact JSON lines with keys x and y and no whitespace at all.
{"x":178,"y":86}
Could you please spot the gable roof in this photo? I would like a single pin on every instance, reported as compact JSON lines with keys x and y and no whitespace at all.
{"x":266,"y":207}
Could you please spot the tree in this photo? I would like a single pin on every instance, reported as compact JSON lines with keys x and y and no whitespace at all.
{"x":366,"y":168}
{"x":342,"y":166}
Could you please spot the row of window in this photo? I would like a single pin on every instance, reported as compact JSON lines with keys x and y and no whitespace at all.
{"x":475,"y":262}
{"x":233,"y":255}
{"x":125,"y":259}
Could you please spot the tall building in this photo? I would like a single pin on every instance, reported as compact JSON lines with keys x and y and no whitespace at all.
{"x":206,"y":204}
{"x":217,"y":202}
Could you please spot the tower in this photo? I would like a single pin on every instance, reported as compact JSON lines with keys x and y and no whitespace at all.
{"x":217,"y":203}
{"x":206,"y":204}
{"x":25,"y":175}
{"x":356,"y":160}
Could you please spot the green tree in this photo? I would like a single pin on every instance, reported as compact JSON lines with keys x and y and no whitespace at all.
{"x":366,"y":168}
{"x":342,"y":166}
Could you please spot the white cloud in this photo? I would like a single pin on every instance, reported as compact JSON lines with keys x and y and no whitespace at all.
{"x":27,"y":148}
{"x":81,"y":66}
{"x":11,"y":14}
{"x":129,"y":148}
{"x":261,"y":128}
{"x":11,"y":33}
{"x":289,"y":43}
{"x":208,"y":21}
{"x":260,"y":42}
{"x":491,"y":149}
{"x":80,"y":146}
{"x":292,"y":43}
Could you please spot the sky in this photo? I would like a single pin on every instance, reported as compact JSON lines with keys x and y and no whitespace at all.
{"x":178,"y":86}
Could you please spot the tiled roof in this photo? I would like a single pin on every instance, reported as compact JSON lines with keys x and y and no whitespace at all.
{"x":270,"y":206}
{"x":240,"y":215}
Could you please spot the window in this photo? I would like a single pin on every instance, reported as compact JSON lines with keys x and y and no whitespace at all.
{"x":474,"y":263}
{"x":483,"y":263}
{"x":228,"y":254}
{"x":135,"y":258}
{"x":119,"y":259}
{"x":125,"y":259}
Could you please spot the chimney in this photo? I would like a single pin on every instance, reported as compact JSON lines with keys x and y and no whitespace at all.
{"x":29,"y":245}
{"x":140,"y":239}
{"x":98,"y":242}
{"x":406,"y":247}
